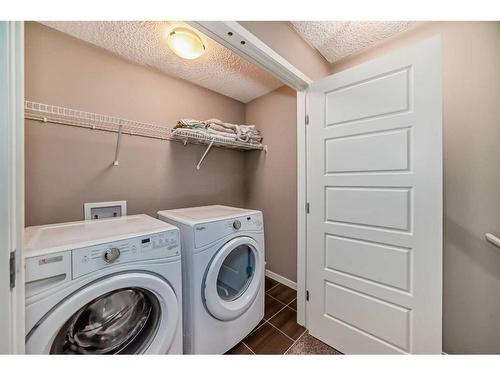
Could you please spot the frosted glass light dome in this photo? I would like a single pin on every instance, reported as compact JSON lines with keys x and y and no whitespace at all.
{"x":185,"y":43}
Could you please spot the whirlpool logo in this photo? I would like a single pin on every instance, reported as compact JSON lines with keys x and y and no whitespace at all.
{"x":55,"y":259}
{"x":201,"y":228}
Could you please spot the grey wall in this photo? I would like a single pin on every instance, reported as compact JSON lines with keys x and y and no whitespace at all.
{"x":471,"y":132}
{"x":272,"y":177}
{"x":67,"y":166}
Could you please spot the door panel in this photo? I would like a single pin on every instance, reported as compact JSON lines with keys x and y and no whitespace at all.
{"x":375,"y":207}
{"x":374,"y":231}
{"x":354,"y":153}
{"x":342,"y":103}
{"x":349,"y":307}
{"x":380,"y":263}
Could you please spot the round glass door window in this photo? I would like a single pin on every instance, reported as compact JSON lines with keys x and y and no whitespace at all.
{"x":236,"y":273}
{"x":122,"y":321}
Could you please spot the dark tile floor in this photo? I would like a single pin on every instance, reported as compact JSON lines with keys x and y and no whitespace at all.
{"x":278,"y":332}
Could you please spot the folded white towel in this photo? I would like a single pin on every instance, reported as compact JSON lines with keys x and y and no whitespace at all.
{"x":222,"y":134}
{"x":227,"y":125}
{"x":220,"y":128}
{"x":214,"y":121}
{"x":247,"y":128}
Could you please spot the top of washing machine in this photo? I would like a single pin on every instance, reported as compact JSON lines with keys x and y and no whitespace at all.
{"x":44,"y":239}
{"x":204,"y":214}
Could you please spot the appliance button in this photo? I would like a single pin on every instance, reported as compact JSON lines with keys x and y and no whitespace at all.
{"x":111,"y":254}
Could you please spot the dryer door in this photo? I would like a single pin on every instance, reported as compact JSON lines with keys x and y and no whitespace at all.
{"x":125,"y":313}
{"x":234,"y":278}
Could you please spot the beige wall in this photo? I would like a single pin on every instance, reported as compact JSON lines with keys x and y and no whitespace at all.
{"x":282,"y":38}
{"x":272,"y":177}
{"x":471,"y":132}
{"x":66,"y":166}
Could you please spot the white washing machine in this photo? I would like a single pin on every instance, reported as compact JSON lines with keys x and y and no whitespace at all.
{"x":104,"y":287}
{"x":223,"y":275}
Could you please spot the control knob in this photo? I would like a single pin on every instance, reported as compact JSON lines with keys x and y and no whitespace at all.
{"x":111,"y":254}
{"x":236,"y":224}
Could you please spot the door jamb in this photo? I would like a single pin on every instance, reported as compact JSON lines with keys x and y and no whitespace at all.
{"x":12,"y":173}
{"x":230,"y":34}
{"x":301,"y":208}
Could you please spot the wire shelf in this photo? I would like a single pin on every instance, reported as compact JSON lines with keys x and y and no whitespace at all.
{"x":66,"y":116}
{"x":60,"y":115}
{"x":196,"y":137}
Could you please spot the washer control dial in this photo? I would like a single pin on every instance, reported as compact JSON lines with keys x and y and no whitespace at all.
{"x":111,"y":254}
{"x":236,"y":224}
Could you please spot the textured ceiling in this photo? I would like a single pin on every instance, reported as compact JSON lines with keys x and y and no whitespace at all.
{"x":338,"y":39}
{"x":218,"y":69}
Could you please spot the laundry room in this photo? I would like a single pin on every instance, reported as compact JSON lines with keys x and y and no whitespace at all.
{"x":78,"y":166}
{"x":174,"y":185}
{"x":68,"y":166}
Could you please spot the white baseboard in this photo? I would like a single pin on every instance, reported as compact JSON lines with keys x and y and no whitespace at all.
{"x":281,"y":279}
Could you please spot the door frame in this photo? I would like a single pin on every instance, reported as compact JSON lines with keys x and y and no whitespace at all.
{"x":241,"y":41}
{"x":12,"y":184}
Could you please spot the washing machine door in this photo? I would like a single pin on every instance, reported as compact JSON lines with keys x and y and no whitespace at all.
{"x":234,"y":278}
{"x":125,"y":313}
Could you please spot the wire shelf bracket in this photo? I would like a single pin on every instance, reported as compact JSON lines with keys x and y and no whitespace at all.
{"x":118,"y":143}
{"x":204,"y":155}
{"x":493,"y":239}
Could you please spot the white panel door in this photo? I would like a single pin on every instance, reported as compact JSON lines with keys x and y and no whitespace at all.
{"x":374,"y":231}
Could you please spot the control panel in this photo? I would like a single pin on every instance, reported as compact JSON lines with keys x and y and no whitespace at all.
{"x":209,"y":232}
{"x":155,"y":246}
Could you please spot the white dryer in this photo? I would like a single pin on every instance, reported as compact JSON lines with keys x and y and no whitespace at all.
{"x":104,"y":287}
{"x":223,"y":275}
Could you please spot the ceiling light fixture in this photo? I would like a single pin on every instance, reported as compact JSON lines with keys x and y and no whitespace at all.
{"x":185,"y":43}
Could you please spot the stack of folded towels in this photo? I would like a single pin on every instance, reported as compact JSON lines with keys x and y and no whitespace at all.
{"x":241,"y":133}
